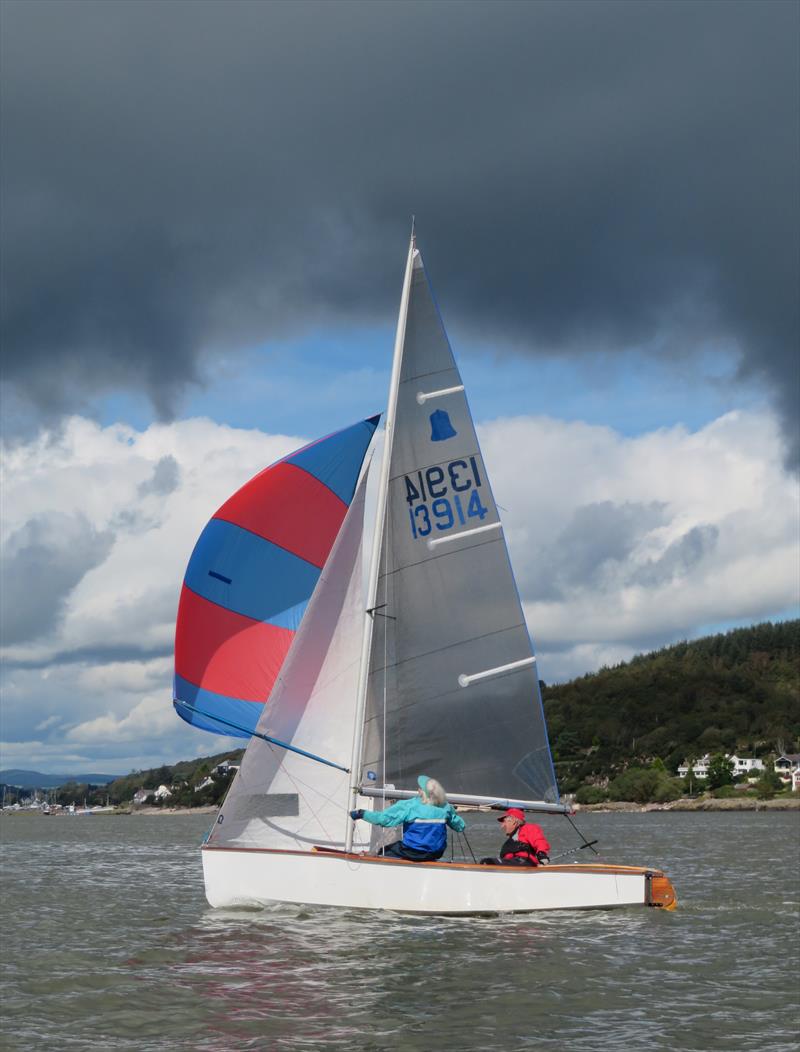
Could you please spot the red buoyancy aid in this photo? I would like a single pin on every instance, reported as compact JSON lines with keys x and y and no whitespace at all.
{"x":526,"y":842}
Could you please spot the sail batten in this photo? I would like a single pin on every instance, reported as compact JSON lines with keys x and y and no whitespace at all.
{"x":463,"y":534}
{"x":426,"y":396}
{"x":466,"y":680}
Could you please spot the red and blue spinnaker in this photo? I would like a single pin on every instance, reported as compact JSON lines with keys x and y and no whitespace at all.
{"x":250,"y":578}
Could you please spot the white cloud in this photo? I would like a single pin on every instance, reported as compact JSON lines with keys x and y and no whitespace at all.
{"x":132,"y":677}
{"x":619,"y":544}
{"x":624,"y":544}
{"x":51,"y":721}
{"x":104,"y":477}
{"x":149,"y":718}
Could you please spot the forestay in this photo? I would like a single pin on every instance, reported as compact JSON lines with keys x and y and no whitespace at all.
{"x":452,"y":689}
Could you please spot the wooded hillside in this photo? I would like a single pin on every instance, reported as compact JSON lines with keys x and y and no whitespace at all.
{"x":738,"y":691}
{"x":183,"y":778}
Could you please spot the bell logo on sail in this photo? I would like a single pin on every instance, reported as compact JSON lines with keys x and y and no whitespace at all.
{"x":441,"y":428}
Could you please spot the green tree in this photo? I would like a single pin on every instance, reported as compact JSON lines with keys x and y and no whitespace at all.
{"x":636,"y":784}
{"x":590,"y":794}
{"x":768,"y":785}
{"x":667,"y":789}
{"x":644,"y":785}
{"x":720,"y":772}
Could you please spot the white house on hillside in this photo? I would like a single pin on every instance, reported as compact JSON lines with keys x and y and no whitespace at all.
{"x":741,"y":765}
{"x":141,"y":796}
{"x":746,"y":764}
{"x":786,"y":766}
{"x":699,"y":768}
{"x":226,"y":767}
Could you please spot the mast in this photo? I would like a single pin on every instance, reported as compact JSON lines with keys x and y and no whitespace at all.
{"x":380,"y":515}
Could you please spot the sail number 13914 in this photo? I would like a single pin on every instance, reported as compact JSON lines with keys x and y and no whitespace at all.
{"x":441,"y":497}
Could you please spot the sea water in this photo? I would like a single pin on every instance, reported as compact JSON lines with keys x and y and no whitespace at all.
{"x":108,"y":944}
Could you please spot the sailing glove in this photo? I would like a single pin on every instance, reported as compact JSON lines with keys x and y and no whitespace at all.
{"x":543,"y":857}
{"x":355,"y":815}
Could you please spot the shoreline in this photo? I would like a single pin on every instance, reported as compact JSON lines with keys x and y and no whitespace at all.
{"x":683,"y":806}
{"x":688,"y":806}
{"x":209,"y":809}
{"x":120,"y":812}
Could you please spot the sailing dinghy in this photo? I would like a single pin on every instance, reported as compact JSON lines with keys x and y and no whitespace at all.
{"x":431,"y":671}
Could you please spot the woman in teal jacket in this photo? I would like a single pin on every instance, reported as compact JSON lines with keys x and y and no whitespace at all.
{"x":424,"y":820}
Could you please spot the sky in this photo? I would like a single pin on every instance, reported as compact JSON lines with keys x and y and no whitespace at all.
{"x":205,"y":213}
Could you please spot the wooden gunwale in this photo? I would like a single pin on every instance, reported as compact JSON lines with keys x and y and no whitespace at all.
{"x":374,"y":860}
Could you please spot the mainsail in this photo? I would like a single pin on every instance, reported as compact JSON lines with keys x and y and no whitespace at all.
{"x":452,"y":689}
{"x":250,"y":578}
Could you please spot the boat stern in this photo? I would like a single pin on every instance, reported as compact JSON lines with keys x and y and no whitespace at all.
{"x":660,"y":892}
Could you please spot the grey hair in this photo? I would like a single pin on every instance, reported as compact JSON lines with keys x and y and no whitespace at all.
{"x":434,"y":793}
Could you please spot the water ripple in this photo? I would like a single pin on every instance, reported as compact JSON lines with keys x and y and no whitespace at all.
{"x":108,"y":944}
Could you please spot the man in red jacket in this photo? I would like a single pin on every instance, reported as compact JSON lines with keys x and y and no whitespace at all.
{"x":525,"y":843}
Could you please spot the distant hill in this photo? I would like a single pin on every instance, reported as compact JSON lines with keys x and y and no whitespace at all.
{"x":190,"y":772}
{"x":738,"y":691}
{"x":37,"y":780}
{"x":193,"y":782}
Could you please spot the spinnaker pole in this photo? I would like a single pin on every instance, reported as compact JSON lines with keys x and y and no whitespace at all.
{"x":264,"y":737}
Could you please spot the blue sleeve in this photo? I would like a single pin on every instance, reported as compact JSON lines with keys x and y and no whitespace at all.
{"x":454,"y":820}
{"x":392,"y":816}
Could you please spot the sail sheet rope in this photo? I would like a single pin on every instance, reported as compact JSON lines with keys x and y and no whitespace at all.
{"x":586,"y":843}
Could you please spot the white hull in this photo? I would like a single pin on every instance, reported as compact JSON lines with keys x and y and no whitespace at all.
{"x":239,"y":877}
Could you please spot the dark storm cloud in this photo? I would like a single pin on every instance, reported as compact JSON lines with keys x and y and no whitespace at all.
{"x":42,"y":562}
{"x":585,"y":175}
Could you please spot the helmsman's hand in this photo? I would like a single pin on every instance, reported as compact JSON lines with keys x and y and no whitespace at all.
{"x":355,"y":815}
